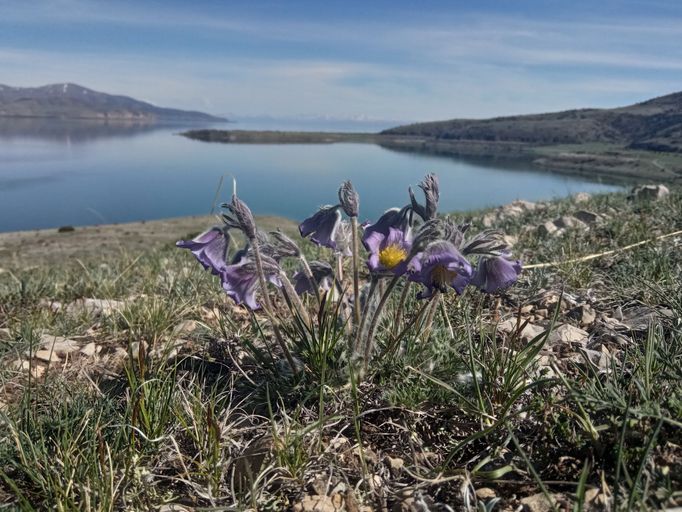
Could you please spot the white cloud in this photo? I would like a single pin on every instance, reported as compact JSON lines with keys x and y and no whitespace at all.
{"x":473,"y":66}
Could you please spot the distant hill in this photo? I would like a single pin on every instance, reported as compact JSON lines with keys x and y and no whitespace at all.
{"x":655,"y":125}
{"x":71,"y":101}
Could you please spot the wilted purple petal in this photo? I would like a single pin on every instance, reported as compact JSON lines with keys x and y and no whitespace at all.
{"x":494,"y":274}
{"x":240,"y":282}
{"x":439,"y":266}
{"x":210,"y":248}
{"x":322,"y":226}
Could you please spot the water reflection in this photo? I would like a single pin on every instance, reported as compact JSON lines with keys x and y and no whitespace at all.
{"x":78,"y":131}
{"x":55,"y":173}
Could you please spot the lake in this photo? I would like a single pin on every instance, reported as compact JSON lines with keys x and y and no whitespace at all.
{"x":58,"y":173}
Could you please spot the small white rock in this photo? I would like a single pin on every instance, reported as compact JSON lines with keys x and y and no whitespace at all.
{"x":581,"y":197}
{"x":650,"y":192}
{"x":59,"y":345}
{"x":566,"y":333}
{"x":47,"y":355}
{"x":90,"y":349}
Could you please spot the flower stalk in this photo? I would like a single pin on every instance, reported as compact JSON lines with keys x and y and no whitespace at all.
{"x":294,"y":298}
{"x":365,"y":313}
{"x":369,"y":342}
{"x":311,"y":278}
{"x":267,"y":305}
{"x":356,"y":270}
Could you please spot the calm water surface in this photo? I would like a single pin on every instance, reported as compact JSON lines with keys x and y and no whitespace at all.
{"x":58,"y":173}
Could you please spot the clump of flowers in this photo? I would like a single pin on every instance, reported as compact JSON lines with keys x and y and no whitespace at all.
{"x":411,"y":245}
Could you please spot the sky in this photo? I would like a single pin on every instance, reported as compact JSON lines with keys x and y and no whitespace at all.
{"x":383,"y":60}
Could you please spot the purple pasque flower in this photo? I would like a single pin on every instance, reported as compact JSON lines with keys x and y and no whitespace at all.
{"x":322,"y":226}
{"x":440,"y":265}
{"x":323,"y":276}
{"x":388,"y":253}
{"x":210,"y":248}
{"x":392,"y":218}
{"x":240,"y":281}
{"x":496,"y":273}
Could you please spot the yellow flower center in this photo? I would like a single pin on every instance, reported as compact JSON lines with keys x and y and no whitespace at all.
{"x":442,"y":276}
{"x":391,"y":256}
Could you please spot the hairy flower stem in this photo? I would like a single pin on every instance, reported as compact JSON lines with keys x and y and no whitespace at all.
{"x":369,"y":343}
{"x":435,"y":301}
{"x":390,"y":350}
{"x":309,"y":274}
{"x":356,"y":270}
{"x":267,"y":305}
{"x":444,"y":312}
{"x":339,"y":268}
{"x":365,"y":314}
{"x":294,"y":298}
{"x":401,"y":305}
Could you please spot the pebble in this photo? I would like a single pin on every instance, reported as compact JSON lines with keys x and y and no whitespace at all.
{"x":90,"y":349}
{"x":568,"y":222}
{"x":95,"y":307}
{"x":547,"y":229}
{"x":318,"y":503}
{"x":529,"y":332}
{"x":566,"y":333}
{"x":536,"y":503}
{"x":581,"y":197}
{"x":485,"y":493}
{"x":650,"y":192}
{"x":173,"y":507}
{"x":584,"y":314}
{"x":48,"y":356}
{"x":586,"y":216}
{"x":186,"y":327}
{"x":59,"y":345}
{"x":395,"y":463}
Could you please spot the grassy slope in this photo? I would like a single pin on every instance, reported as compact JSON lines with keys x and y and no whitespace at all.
{"x":194,"y":420}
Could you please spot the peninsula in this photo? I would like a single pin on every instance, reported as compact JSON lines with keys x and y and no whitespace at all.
{"x":638,"y":141}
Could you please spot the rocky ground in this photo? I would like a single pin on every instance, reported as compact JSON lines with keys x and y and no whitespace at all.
{"x":129,"y":381}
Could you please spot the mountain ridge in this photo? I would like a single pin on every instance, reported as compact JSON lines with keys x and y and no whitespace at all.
{"x":654,"y":124}
{"x":72,"y":101}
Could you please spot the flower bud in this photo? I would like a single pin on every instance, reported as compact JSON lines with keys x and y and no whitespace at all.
{"x":349,"y":199}
{"x":284,"y":246}
{"x":240,"y":217}
{"x":431,"y":193}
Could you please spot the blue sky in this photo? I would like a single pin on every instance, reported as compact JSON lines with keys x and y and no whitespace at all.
{"x":397,"y":60}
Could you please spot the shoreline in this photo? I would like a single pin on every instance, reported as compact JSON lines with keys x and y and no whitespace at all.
{"x":46,"y":246}
{"x":585,"y":160}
